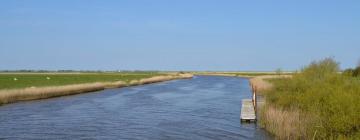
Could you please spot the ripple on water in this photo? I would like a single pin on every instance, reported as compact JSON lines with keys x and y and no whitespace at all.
{"x":205,"y":107}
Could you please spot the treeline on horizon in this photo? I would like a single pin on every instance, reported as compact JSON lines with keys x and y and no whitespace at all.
{"x":349,"y":71}
{"x":355,"y":72}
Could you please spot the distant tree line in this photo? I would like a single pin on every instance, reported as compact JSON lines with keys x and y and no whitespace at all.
{"x":355,"y":72}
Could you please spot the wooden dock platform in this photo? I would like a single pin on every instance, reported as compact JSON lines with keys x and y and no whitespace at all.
{"x":247,"y":110}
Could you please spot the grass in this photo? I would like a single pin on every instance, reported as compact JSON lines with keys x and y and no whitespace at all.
{"x":69,"y":84}
{"x":58,"y":79}
{"x":317,"y":103}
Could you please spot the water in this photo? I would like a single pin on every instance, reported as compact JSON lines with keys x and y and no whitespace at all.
{"x":205,"y":107}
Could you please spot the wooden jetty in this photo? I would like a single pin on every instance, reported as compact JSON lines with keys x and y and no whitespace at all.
{"x":248,"y":108}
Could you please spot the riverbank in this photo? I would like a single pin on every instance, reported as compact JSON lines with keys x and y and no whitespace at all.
{"x":316,"y":103}
{"x":278,"y":123}
{"x":262,"y":83}
{"x":33,"y":93}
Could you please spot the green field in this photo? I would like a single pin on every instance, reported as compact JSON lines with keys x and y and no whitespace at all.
{"x":23,"y":80}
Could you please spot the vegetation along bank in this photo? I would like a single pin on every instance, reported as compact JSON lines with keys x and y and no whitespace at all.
{"x":25,"y":86}
{"x":318,"y":102}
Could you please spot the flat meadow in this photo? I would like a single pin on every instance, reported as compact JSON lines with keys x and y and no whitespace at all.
{"x":25,"y":80}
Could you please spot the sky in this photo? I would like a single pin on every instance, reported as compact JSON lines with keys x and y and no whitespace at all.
{"x":217,"y":35}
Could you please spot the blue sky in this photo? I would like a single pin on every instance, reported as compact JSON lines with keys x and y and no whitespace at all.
{"x":177,"y":34}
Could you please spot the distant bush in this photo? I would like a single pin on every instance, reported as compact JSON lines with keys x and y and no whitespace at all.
{"x":348,"y":72}
{"x":356,"y":72}
{"x":329,"y":102}
{"x":352,"y":72}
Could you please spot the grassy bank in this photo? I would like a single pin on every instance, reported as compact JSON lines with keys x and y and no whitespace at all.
{"x":23,"y":80}
{"x":316,"y":103}
{"x":82,"y":83}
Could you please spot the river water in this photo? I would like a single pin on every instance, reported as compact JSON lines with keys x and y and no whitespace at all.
{"x":205,"y":107}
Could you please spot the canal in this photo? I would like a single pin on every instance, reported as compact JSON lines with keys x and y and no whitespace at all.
{"x":205,"y":107}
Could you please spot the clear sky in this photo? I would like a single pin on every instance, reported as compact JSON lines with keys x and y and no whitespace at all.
{"x":177,"y":34}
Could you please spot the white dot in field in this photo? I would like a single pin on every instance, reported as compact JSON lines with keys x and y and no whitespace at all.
{"x":15,"y":79}
{"x":48,"y":78}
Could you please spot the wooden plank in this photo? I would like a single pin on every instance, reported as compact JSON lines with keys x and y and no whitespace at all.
{"x":247,"y":110}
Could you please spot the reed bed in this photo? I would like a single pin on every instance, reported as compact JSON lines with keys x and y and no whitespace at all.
{"x":156,"y":79}
{"x":286,"y":124}
{"x":14,"y":95}
{"x":261,"y":83}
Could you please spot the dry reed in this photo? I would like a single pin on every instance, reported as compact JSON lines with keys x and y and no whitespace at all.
{"x":285,"y":124}
{"x":261,"y":84}
{"x":14,"y":95}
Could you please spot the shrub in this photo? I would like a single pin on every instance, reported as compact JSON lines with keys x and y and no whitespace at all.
{"x":348,"y":72}
{"x":352,"y":72}
{"x":356,"y":72}
{"x":330,"y":99}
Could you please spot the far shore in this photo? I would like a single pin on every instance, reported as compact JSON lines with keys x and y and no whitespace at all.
{"x":35,"y":93}
{"x":257,"y":81}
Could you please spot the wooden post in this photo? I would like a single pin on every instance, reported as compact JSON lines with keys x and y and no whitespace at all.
{"x":254,"y":97}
